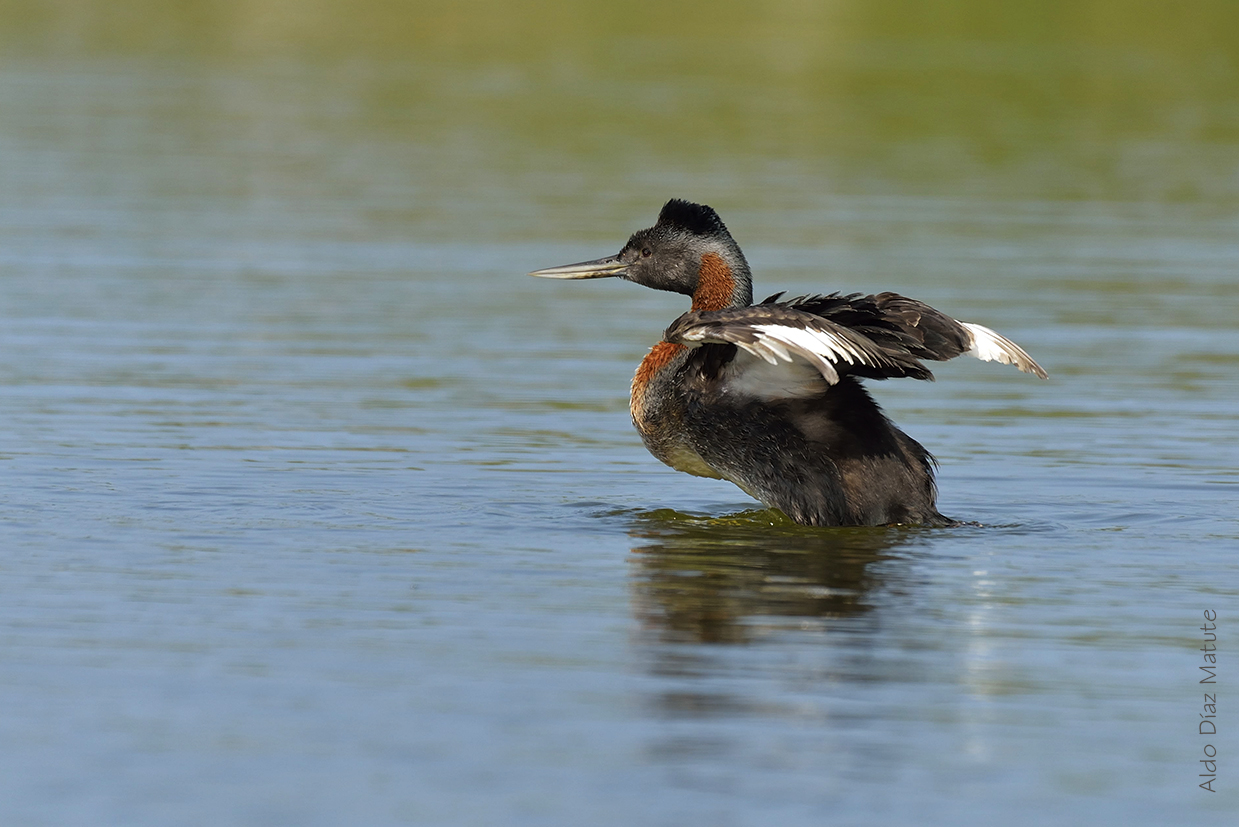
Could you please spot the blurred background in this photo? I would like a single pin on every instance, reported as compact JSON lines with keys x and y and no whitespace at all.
{"x":491,"y":122}
{"x":314,"y":509}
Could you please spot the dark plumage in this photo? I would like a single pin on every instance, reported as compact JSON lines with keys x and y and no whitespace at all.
{"x":697,"y":219}
{"x":767,"y":396}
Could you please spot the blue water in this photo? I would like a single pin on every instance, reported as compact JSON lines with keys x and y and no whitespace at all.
{"x":310,"y":520}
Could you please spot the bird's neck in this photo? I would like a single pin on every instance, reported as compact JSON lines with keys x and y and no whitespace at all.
{"x":720,"y":285}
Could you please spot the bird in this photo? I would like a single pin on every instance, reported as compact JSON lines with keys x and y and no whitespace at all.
{"x":768,"y":396}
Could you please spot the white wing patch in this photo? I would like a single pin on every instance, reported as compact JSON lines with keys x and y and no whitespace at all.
{"x":989,"y":346}
{"x":820,"y":347}
{"x":777,"y":344}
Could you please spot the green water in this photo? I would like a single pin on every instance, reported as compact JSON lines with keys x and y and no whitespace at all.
{"x":315,"y":510}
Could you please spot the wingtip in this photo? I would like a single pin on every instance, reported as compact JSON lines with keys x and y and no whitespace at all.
{"x":990,"y":346}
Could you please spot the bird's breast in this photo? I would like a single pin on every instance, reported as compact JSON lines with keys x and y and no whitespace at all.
{"x":651,"y":382}
{"x":657,"y":410}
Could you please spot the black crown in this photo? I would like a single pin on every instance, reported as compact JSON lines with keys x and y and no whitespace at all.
{"x":697,"y":219}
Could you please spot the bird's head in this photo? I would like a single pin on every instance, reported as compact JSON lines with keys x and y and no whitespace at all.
{"x":688,"y":250}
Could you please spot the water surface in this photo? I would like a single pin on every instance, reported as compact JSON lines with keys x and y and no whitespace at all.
{"x":314,"y":509}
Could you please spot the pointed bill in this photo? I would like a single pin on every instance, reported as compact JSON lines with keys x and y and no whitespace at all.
{"x":599,"y":268}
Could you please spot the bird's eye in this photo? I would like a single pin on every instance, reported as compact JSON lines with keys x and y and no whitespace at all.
{"x":646,"y":252}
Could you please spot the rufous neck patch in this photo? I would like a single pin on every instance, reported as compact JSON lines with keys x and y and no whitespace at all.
{"x":715,"y":284}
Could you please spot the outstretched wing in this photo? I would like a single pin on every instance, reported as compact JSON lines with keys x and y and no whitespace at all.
{"x":793,"y":341}
{"x":896,"y":322}
{"x":801,"y":346}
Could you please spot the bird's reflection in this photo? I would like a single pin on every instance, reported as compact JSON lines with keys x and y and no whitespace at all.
{"x":734,"y":579}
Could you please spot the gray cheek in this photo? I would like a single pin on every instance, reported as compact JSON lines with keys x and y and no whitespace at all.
{"x":681,"y":275}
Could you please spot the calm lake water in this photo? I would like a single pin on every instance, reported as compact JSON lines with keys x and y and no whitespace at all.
{"x":315,"y":510}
